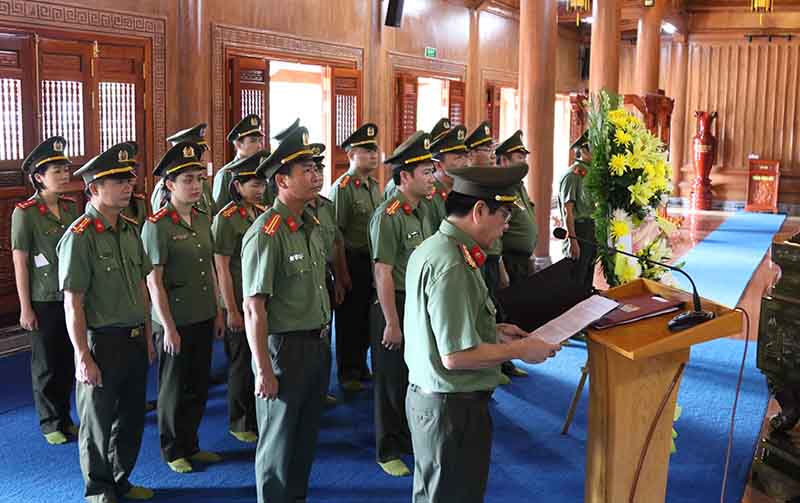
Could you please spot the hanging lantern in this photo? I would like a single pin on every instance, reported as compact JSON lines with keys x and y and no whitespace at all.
{"x":582,"y":6}
{"x":762,"y":7}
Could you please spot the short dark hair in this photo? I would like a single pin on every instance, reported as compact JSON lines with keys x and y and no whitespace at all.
{"x":459,"y":205}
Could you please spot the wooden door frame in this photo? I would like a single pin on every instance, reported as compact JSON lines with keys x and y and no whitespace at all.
{"x":234,"y":40}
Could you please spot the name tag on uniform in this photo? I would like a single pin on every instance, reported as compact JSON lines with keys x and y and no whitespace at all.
{"x":40,"y":260}
{"x":296,"y":257}
{"x":180,"y":237}
{"x":412,"y":235}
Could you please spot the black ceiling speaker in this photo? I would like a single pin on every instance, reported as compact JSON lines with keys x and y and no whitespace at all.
{"x":394,"y":13}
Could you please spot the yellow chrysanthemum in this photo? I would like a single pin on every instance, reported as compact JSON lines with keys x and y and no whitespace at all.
{"x":626,"y":269}
{"x":650,"y":170}
{"x":619,"y":228}
{"x":634,"y":123}
{"x":618,"y":118}
{"x":622,"y":137}
{"x":617,"y":164}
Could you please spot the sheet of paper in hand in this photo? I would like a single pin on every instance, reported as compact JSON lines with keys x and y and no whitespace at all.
{"x":576,"y":319}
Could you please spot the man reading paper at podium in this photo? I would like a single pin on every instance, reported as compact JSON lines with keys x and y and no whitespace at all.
{"x":451,"y":339}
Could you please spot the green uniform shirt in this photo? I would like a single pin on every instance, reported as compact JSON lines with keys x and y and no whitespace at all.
{"x":325,"y":212}
{"x":354,"y":200}
{"x":206,"y":202}
{"x":283,"y":257}
{"x":137,"y":211}
{"x":448,"y":309}
{"x":395,"y":230}
{"x":571,"y":190}
{"x":108,"y":265}
{"x":522,"y":231}
{"x":228,"y":229}
{"x":186,"y":253}
{"x":222,"y":193}
{"x":433,"y":204}
{"x":34,"y":229}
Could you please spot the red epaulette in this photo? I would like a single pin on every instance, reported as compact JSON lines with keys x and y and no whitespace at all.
{"x":128,"y":219}
{"x":24,"y":205}
{"x":443,"y":195}
{"x":139,"y":196}
{"x":229,"y":211}
{"x":81,"y":225}
{"x":392,"y":208}
{"x":158,"y":215}
{"x":474,"y":257}
{"x":344,"y":181}
{"x":272,"y":225}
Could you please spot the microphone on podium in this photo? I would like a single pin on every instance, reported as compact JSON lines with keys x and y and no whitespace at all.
{"x":682,"y":321}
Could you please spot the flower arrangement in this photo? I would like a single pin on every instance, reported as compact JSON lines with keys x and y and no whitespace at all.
{"x":629,"y":179}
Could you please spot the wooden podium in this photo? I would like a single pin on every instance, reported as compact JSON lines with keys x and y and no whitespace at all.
{"x":631,"y":367}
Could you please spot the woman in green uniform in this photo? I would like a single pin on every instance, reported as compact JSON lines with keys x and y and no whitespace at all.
{"x":246,"y":190}
{"x":183,"y":289}
{"x":36,"y":226}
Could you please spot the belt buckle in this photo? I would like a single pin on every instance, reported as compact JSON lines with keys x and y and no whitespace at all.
{"x":136,"y":332}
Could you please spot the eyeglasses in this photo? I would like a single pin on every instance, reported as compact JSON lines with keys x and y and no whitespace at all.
{"x":506,"y":212}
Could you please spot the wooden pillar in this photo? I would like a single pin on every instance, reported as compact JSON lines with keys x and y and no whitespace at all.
{"x":538,"y":42}
{"x":475,"y":112}
{"x":604,"y":66}
{"x":372,"y":60}
{"x":194,"y":85}
{"x":677,"y":142}
{"x":648,"y":48}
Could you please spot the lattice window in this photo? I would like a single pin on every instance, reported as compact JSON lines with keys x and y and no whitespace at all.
{"x":252,"y":102}
{"x":62,"y":113}
{"x":117,"y":113}
{"x":346,"y":116}
{"x":11,"y":147}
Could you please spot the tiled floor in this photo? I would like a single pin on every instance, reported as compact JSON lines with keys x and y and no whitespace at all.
{"x":695,"y":227}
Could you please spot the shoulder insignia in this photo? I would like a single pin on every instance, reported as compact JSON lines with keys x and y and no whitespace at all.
{"x":467,"y":257}
{"x":158,"y":215}
{"x":68,"y":199}
{"x":392,"y":208}
{"x":229,"y":210}
{"x":477,"y":255}
{"x":81,"y":225}
{"x":128,"y":219}
{"x":407,"y":209}
{"x":139,"y":196}
{"x":24,"y":205}
{"x":443,"y":195}
{"x":345,"y":180}
{"x":272,"y":225}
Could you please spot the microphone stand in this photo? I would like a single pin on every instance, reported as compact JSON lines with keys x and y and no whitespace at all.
{"x":680,"y":322}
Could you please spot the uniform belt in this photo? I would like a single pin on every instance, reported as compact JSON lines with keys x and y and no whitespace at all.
{"x":464,"y":395}
{"x":316,"y":333}
{"x":129,"y":332}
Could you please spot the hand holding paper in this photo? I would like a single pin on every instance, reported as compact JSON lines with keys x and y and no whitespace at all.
{"x":576,"y":319}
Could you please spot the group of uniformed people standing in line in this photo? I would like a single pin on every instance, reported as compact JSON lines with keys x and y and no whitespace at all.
{"x":261,"y":261}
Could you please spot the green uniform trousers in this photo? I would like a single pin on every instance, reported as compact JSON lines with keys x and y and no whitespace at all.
{"x":52,"y":367}
{"x":390,"y":374}
{"x":112,"y":415}
{"x":584,"y":266}
{"x":518,"y":266}
{"x":288,"y":425}
{"x":241,"y":383}
{"x":183,"y":389}
{"x":352,"y":320}
{"x":452,"y":438}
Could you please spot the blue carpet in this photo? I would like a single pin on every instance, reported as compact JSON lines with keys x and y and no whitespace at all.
{"x":742,"y":239}
{"x":531,"y":461}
